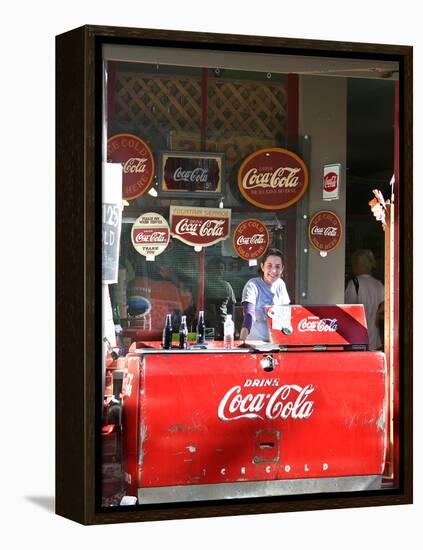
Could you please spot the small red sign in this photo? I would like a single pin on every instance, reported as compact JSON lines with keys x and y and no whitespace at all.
{"x":150,"y":234}
{"x":137,"y":162}
{"x":250,"y":239}
{"x":325,"y":231}
{"x":200,"y":226}
{"x":330,"y":182}
{"x":312,"y":325}
{"x":273,"y":178}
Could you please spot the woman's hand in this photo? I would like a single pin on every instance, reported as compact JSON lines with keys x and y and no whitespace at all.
{"x":243,"y":334}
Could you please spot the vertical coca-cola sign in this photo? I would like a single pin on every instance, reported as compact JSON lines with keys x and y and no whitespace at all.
{"x":331,"y":180}
{"x":200,"y":226}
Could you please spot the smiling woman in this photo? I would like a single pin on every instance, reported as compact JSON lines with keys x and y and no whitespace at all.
{"x":267,"y":288}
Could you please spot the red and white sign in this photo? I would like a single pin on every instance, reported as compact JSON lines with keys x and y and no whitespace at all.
{"x":150,"y":234}
{"x":273,"y":178}
{"x":200,"y":226}
{"x":137,"y":161}
{"x":331,"y":175}
{"x":334,"y":325}
{"x":325,"y":231}
{"x":287,"y":401}
{"x":250,"y":239}
{"x":307,"y":418}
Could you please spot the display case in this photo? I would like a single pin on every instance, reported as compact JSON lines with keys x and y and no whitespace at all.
{"x":234,"y":291}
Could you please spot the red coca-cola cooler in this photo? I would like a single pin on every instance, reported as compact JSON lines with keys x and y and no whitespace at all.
{"x":305,"y":413}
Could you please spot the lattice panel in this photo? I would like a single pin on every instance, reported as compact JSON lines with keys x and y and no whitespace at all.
{"x":247,"y":107}
{"x":166,"y":103}
{"x":161,"y":103}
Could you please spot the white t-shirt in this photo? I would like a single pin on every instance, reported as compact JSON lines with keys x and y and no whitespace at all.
{"x":371,"y":294}
{"x":257,"y":292}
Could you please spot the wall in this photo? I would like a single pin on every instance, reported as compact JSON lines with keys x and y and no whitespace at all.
{"x":323,"y":117}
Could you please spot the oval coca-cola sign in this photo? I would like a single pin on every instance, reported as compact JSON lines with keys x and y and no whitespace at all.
{"x":137,"y":162}
{"x":250,"y":239}
{"x":273,"y":178}
{"x":325,"y":231}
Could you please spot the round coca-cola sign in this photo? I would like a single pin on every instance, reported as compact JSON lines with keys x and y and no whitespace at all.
{"x":325,"y":231}
{"x":273,"y":178}
{"x":137,"y":163}
{"x":250,"y":239}
{"x":150,"y":234}
{"x":330,"y":182}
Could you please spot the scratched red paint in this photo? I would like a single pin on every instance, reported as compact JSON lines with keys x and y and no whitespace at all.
{"x":215,"y":417}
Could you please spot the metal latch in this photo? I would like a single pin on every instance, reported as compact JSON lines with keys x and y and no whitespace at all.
{"x":267,"y":363}
{"x":319,"y":348}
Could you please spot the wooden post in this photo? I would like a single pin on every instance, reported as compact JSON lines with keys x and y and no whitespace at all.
{"x":201,"y":254}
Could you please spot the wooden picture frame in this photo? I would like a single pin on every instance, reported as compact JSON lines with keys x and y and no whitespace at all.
{"x":78,"y":266}
{"x":187,"y":188}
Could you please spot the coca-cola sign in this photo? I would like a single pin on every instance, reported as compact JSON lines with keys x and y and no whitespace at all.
{"x":286,"y":401}
{"x":325,"y":231}
{"x":330,"y":182}
{"x":199,"y":174}
{"x":200,"y":226}
{"x":331,"y":174}
{"x":250,"y":239}
{"x":137,"y":162}
{"x":315,"y":324}
{"x":273,"y":178}
{"x":150,"y":234}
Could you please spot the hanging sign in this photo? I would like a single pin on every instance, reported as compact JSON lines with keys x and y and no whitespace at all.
{"x":191,"y":174}
{"x":273,"y":178}
{"x":137,"y":161}
{"x":200,"y":226}
{"x":325,"y":231}
{"x":111,"y":222}
{"x":331,"y":175}
{"x":150,"y":235}
{"x":250,"y":239}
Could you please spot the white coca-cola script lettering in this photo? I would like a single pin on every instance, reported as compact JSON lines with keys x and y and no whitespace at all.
{"x":314,"y":324}
{"x":156,"y":237}
{"x":202,"y":228}
{"x":281,"y":177}
{"x":258,"y":238}
{"x":325,"y":231}
{"x":135,"y":166}
{"x":198,"y":175}
{"x":288,"y":401}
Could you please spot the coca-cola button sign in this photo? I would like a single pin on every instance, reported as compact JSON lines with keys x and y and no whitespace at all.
{"x":137,"y":163}
{"x":250,"y":239}
{"x":200,"y":226}
{"x":273,"y":178}
{"x":150,"y":234}
{"x":325,"y":231}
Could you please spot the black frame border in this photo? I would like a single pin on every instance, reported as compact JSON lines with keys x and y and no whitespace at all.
{"x":78,"y":288}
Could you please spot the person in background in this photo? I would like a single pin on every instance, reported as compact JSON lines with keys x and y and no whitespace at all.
{"x":219,"y":297}
{"x":266,"y":289}
{"x":364,"y":289}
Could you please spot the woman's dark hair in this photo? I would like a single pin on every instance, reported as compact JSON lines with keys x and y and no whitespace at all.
{"x":269,"y":252}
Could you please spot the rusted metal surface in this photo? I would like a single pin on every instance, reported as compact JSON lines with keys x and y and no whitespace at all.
{"x":219,"y":418}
